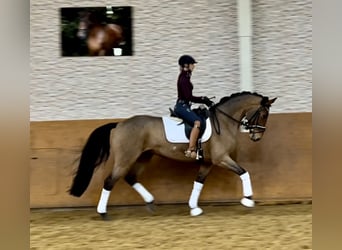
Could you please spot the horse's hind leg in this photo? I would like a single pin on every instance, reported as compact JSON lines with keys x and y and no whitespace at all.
{"x":120,"y":169}
{"x":131,"y":179}
{"x":106,"y":190}
{"x":197,"y":188}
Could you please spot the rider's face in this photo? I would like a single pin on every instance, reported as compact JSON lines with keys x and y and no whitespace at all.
{"x":191,"y":66}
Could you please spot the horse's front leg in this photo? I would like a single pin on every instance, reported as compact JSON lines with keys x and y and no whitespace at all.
{"x":229,"y":163}
{"x":196,"y":190}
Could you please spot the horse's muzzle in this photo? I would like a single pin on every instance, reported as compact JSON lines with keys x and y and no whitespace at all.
{"x":256,"y":139}
{"x":255,"y":136}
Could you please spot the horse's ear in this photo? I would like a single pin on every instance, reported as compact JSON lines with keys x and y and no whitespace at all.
{"x":267,"y":102}
{"x":272,"y":101}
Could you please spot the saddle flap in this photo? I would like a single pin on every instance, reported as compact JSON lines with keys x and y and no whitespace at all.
{"x":175,"y":131}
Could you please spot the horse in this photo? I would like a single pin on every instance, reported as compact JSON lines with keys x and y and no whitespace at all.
{"x":133,"y":141}
{"x":100,"y":38}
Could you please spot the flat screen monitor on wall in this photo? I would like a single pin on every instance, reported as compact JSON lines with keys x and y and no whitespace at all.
{"x":96,"y":31}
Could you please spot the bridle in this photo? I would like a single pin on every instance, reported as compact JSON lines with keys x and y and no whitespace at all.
{"x":253,"y":122}
{"x":250,"y":124}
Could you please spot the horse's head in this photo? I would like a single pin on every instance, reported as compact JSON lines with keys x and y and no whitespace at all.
{"x":249,"y":110}
{"x":83,"y":24}
{"x":256,"y":118}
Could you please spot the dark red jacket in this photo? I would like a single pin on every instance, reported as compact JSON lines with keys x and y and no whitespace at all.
{"x":185,"y":87}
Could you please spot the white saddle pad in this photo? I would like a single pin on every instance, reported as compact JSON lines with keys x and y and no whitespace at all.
{"x":175,"y":132}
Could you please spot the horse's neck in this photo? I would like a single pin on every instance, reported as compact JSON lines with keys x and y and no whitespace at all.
{"x":237,"y":109}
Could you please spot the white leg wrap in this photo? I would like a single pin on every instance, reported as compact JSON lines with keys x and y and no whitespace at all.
{"x":196,"y":191}
{"x":246,"y":184}
{"x":146,"y":195}
{"x":102,"y":205}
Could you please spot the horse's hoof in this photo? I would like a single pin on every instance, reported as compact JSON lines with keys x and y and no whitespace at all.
{"x":196,"y":211}
{"x":104,"y":216}
{"x":247,"y":202}
{"x":150,"y":207}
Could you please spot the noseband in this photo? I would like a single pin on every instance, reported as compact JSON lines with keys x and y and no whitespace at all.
{"x":251,"y":124}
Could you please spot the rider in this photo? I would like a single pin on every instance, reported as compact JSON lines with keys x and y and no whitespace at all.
{"x":185,"y":98}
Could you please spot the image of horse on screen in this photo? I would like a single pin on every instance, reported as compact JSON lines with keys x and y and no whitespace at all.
{"x":96,"y":31}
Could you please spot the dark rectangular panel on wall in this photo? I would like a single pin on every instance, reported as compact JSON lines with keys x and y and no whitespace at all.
{"x":280,"y":166}
{"x":96,"y":31}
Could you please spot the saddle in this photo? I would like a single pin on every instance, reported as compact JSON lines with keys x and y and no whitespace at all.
{"x":204,"y":113}
{"x":201,"y":111}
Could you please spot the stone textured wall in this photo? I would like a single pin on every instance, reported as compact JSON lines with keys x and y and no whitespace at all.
{"x":64,"y":88}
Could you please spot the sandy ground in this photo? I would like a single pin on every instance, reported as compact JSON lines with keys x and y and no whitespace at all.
{"x":231,"y":226}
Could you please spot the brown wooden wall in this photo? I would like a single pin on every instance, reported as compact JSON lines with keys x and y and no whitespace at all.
{"x":280,"y":166}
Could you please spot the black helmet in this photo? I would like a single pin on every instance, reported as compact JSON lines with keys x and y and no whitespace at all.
{"x":186,"y":59}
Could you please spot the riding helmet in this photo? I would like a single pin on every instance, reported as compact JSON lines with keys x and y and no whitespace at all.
{"x":186,"y":59}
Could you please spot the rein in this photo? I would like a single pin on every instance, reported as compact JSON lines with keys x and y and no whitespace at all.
{"x":216,"y":122}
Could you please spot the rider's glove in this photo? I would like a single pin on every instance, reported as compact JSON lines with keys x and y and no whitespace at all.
{"x":207,"y":101}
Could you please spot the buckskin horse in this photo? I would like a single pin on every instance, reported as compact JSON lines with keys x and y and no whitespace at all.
{"x":133,"y":142}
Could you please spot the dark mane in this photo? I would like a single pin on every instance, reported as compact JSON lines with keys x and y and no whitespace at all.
{"x":227,"y":98}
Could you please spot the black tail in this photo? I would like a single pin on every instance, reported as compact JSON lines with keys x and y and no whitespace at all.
{"x":95,"y":151}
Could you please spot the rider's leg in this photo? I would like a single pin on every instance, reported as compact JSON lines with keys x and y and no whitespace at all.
{"x":191,"y":151}
{"x":184,"y":111}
